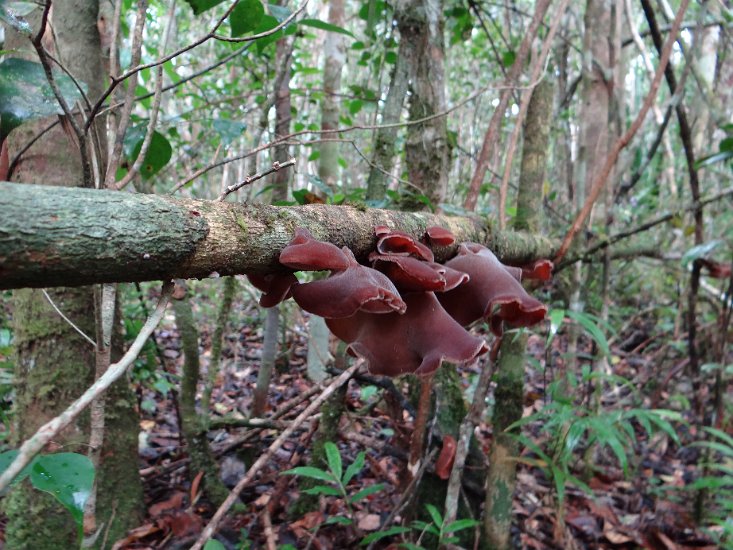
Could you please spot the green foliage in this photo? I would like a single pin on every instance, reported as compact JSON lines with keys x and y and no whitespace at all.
{"x":25,"y":94}
{"x":68,"y":477}
{"x":246,"y":17}
{"x":337,"y":480}
{"x":573,"y":428}
{"x":717,"y":481}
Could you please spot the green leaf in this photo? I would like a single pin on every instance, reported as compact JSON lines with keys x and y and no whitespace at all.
{"x":379,"y":535}
{"x":508,"y":57}
{"x":355,"y":106}
{"x":434,"y":514}
{"x":246,"y":16}
{"x":281,"y":13}
{"x":700,"y":251}
{"x":310,"y":472}
{"x":323,"y":490}
{"x":334,"y":459}
{"x":7,"y":457}
{"x":213,"y":544}
{"x":12,"y":14}
{"x":228,"y":130}
{"x":557,"y":316}
{"x":460,"y":524}
{"x":338,"y":520}
{"x":390,"y":57}
{"x":714,"y":158}
{"x":25,"y":94}
{"x":159,"y":151}
{"x":267,"y":23}
{"x":365,"y":492}
{"x":354,"y":468}
{"x":318,"y":24}
{"x":200,"y":6}
{"x":68,"y":477}
{"x":592,"y":329}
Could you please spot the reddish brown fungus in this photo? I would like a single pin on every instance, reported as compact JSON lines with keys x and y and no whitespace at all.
{"x":399,"y":242}
{"x":439,"y":236}
{"x":408,"y":273}
{"x":444,"y":463}
{"x":304,"y":253}
{"x":492,"y":293}
{"x":343,"y":293}
{"x":415,"y":342}
{"x":275,"y":287}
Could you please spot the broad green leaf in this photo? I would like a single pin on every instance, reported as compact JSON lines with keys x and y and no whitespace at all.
{"x":311,"y":472}
{"x":159,"y":151}
{"x":390,"y":57}
{"x":714,"y":158}
{"x":557,"y":316}
{"x":318,"y":24}
{"x":12,"y":14}
{"x":365,"y":492}
{"x":333,"y":457}
{"x":354,"y":468}
{"x":228,"y":130}
{"x":379,"y":535}
{"x":200,"y":6}
{"x":246,"y":16}
{"x":68,"y":477}
{"x":700,"y":251}
{"x":267,"y":23}
{"x":6,"y":458}
{"x":213,"y":544}
{"x":25,"y":94}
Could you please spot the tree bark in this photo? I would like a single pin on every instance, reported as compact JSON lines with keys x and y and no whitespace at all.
{"x":71,"y":236}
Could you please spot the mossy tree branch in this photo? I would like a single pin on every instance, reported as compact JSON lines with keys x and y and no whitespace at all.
{"x":53,"y":236}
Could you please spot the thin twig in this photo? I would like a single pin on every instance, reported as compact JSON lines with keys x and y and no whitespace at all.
{"x":65,"y":318}
{"x":211,"y":34}
{"x":276,"y":166}
{"x":32,"y":446}
{"x":210,"y":529}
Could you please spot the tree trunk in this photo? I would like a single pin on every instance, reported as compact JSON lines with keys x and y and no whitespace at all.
{"x":54,"y":363}
{"x":509,"y":393}
{"x":427,"y":151}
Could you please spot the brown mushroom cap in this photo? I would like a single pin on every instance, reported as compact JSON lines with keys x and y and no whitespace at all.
{"x":275,"y":287}
{"x":415,"y":342}
{"x":492,"y":293}
{"x":399,"y":242}
{"x":304,"y":253}
{"x":343,"y":293}
{"x":439,"y":236}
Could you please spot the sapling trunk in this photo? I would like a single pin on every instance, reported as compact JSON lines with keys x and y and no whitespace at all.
{"x":193,"y":424}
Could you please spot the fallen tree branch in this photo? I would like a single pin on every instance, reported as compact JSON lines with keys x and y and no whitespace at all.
{"x":63,"y":236}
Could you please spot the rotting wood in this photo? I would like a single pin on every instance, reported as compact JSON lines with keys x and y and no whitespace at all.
{"x":58,"y":236}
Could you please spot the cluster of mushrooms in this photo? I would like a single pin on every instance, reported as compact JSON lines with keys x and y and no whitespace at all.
{"x":406,"y":313}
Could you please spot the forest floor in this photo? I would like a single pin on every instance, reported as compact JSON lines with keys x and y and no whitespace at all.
{"x":645,"y":506}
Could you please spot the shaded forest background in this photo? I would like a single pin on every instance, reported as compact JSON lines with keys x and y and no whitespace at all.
{"x":600,"y":128}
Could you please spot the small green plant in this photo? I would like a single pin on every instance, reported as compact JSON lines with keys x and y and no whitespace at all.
{"x":443,"y":532}
{"x":572,"y":426}
{"x":717,"y":482}
{"x":337,"y":481}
